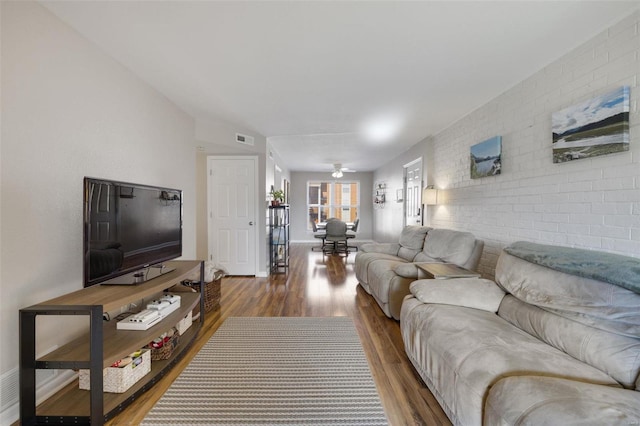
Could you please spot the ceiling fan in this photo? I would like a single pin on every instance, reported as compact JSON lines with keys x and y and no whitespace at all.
{"x":338,"y":170}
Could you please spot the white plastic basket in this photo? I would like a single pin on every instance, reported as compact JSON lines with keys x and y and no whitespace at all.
{"x":185,"y":323}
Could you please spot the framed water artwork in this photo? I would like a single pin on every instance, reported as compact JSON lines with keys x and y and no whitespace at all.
{"x":486,"y":158}
{"x":595,"y":127}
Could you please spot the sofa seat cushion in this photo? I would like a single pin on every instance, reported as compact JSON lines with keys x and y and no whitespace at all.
{"x":593,"y":303}
{"x":462,"y":352}
{"x":407,"y":270}
{"x":477,"y":293}
{"x":363,"y":260}
{"x":446,"y":245}
{"x":423,"y":258}
{"x":381,"y":274}
{"x":532,"y":400}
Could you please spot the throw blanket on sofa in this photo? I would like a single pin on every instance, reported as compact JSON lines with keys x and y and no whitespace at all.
{"x":612,"y":268}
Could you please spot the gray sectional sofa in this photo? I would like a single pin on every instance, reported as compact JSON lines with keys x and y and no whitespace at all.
{"x":555,"y":340}
{"x":385,"y":270}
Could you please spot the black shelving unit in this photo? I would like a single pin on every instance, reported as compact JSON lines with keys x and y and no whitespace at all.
{"x":279,"y":239}
{"x":99,"y":347}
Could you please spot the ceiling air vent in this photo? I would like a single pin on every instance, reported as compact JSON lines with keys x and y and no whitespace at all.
{"x":244,"y":139}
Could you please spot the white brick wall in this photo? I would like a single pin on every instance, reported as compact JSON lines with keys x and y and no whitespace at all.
{"x":590,"y":203}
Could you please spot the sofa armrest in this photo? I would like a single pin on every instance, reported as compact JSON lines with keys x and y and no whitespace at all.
{"x":385,"y":248}
{"x":540,"y":400}
{"x":477,"y":293}
{"x":406,"y":270}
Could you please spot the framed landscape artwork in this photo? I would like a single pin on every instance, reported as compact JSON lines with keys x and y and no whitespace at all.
{"x":598,"y":126}
{"x":486,"y":158}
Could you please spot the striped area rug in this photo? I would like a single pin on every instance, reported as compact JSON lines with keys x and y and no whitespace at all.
{"x":275,"y":371}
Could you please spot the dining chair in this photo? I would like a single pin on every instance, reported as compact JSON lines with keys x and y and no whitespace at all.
{"x":352,"y":234}
{"x":336,"y":238}
{"x":321,"y":235}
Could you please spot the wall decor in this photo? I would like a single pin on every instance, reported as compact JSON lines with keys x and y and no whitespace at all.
{"x":595,"y":127}
{"x":486,"y":158}
{"x":379,"y":190}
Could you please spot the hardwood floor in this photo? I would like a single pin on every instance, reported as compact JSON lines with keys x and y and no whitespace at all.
{"x":318,"y":286}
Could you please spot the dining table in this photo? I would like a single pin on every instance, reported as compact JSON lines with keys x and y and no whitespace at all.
{"x":323,"y":225}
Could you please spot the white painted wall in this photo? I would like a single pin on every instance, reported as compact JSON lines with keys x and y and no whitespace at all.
{"x":298,"y":211}
{"x":277,"y":170}
{"x":217,"y":137}
{"x":589,"y":203}
{"x":389,"y":218}
{"x":69,"y":110}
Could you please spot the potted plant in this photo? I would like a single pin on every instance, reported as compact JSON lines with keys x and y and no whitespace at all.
{"x":277,"y":197}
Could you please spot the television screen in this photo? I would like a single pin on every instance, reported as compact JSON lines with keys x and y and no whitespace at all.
{"x":129,"y":230}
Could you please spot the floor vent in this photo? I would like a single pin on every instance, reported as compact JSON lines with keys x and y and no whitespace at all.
{"x":8,"y":389}
{"x":9,"y":385}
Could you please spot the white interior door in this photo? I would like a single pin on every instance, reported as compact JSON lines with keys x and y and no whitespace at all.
{"x":413,"y":193}
{"x":232,"y":213}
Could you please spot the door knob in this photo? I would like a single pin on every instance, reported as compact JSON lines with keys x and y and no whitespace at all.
{"x":251,"y":223}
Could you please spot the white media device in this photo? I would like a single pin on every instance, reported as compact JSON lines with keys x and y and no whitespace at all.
{"x":140,"y":321}
{"x":155,"y":312}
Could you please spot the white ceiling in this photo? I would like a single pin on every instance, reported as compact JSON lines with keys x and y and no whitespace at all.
{"x":316,"y":76}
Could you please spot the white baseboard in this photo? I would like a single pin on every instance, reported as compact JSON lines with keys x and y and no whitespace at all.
{"x":10,"y":415}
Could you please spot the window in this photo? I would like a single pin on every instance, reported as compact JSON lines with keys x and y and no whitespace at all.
{"x":332,"y":199}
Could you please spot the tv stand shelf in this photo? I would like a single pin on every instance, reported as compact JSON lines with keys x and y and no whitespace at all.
{"x":120,"y":341}
{"x":100,"y":347}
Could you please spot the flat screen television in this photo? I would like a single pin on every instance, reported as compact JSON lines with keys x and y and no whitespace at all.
{"x":129,"y":230}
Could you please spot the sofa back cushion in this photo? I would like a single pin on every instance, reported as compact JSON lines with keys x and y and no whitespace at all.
{"x":446,"y":245}
{"x":411,"y":241}
{"x":594,"y":303}
{"x":616,"y":355}
{"x":594,"y":321}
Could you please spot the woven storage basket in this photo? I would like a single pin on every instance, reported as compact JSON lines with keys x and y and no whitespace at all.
{"x":119,"y":380}
{"x":211,"y":293}
{"x":158,"y":354}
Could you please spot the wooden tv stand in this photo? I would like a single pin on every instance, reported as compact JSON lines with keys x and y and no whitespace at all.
{"x":100,"y":347}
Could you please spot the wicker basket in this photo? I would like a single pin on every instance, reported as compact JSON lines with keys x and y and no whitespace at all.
{"x":119,"y":379}
{"x":211,"y":293}
{"x":158,"y":354}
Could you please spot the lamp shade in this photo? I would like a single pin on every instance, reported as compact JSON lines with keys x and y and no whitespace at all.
{"x":430,"y":196}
